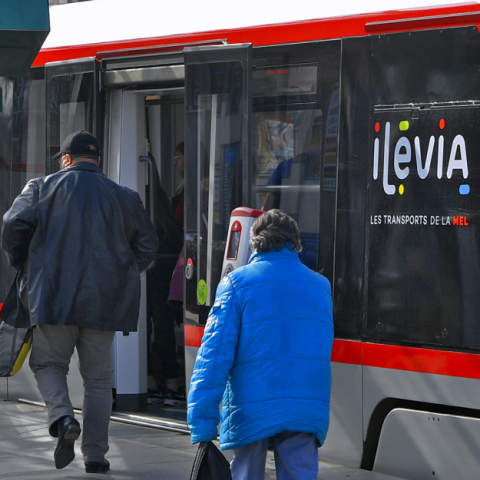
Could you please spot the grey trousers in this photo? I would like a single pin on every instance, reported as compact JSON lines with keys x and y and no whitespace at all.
{"x":52,"y":349}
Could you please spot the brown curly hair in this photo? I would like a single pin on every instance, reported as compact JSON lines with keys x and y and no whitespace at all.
{"x":275,"y":230}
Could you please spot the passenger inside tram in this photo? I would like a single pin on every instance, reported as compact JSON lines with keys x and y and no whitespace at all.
{"x":175,"y":296}
{"x":295,"y":180}
{"x":309,"y":162}
{"x":164,"y":380}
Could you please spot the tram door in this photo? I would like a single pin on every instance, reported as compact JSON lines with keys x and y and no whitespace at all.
{"x":72,"y":99}
{"x":217,"y":109}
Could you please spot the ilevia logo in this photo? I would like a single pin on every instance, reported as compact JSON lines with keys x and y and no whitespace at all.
{"x":423,"y":154}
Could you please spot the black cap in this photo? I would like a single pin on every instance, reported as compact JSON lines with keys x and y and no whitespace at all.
{"x":80,"y":143}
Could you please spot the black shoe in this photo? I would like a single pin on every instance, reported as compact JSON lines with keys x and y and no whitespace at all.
{"x":97,"y":467}
{"x":68,"y":431}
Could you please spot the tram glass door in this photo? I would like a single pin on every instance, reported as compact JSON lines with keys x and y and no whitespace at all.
{"x":72,"y":103}
{"x":217,"y":119}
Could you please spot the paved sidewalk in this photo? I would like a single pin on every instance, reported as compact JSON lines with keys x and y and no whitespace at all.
{"x":26,"y":452}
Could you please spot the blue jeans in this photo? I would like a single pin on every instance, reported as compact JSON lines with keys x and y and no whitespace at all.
{"x":296,"y":458}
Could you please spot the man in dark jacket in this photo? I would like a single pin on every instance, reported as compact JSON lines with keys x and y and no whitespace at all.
{"x":85,"y":241}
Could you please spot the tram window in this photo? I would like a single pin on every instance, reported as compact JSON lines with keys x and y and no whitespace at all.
{"x":70,"y":108}
{"x":23,"y":121}
{"x":295,"y":121}
{"x":5,"y":179}
{"x":28,"y":135}
{"x":289,"y":157}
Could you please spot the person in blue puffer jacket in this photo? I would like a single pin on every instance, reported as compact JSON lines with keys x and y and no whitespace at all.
{"x":266,"y":349}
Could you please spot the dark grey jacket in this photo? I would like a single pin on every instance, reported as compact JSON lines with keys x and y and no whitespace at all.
{"x":86,"y":239}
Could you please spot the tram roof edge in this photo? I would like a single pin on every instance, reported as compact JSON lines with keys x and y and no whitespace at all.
{"x":64,"y":44}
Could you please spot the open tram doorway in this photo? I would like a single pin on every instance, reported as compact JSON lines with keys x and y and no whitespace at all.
{"x":165,"y":337}
{"x":143,"y":136}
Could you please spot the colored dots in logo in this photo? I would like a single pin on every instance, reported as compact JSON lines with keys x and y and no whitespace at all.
{"x":404,"y":125}
{"x":441,"y":124}
{"x":401,"y":189}
{"x":377,"y":127}
{"x":464,"y":189}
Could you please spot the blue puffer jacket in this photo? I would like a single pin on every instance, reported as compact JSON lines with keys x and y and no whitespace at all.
{"x":268,"y":339}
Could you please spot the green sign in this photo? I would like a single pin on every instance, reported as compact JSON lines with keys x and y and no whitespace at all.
{"x":202,"y":292}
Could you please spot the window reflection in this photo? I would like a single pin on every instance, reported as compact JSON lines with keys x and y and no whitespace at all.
{"x":70,"y":109}
{"x":22,"y":145}
{"x":295,"y":155}
{"x":28,"y":132}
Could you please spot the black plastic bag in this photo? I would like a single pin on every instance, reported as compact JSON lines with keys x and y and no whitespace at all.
{"x":210,"y":464}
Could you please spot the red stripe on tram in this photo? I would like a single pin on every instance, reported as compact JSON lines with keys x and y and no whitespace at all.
{"x":422,"y":360}
{"x":409,"y":359}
